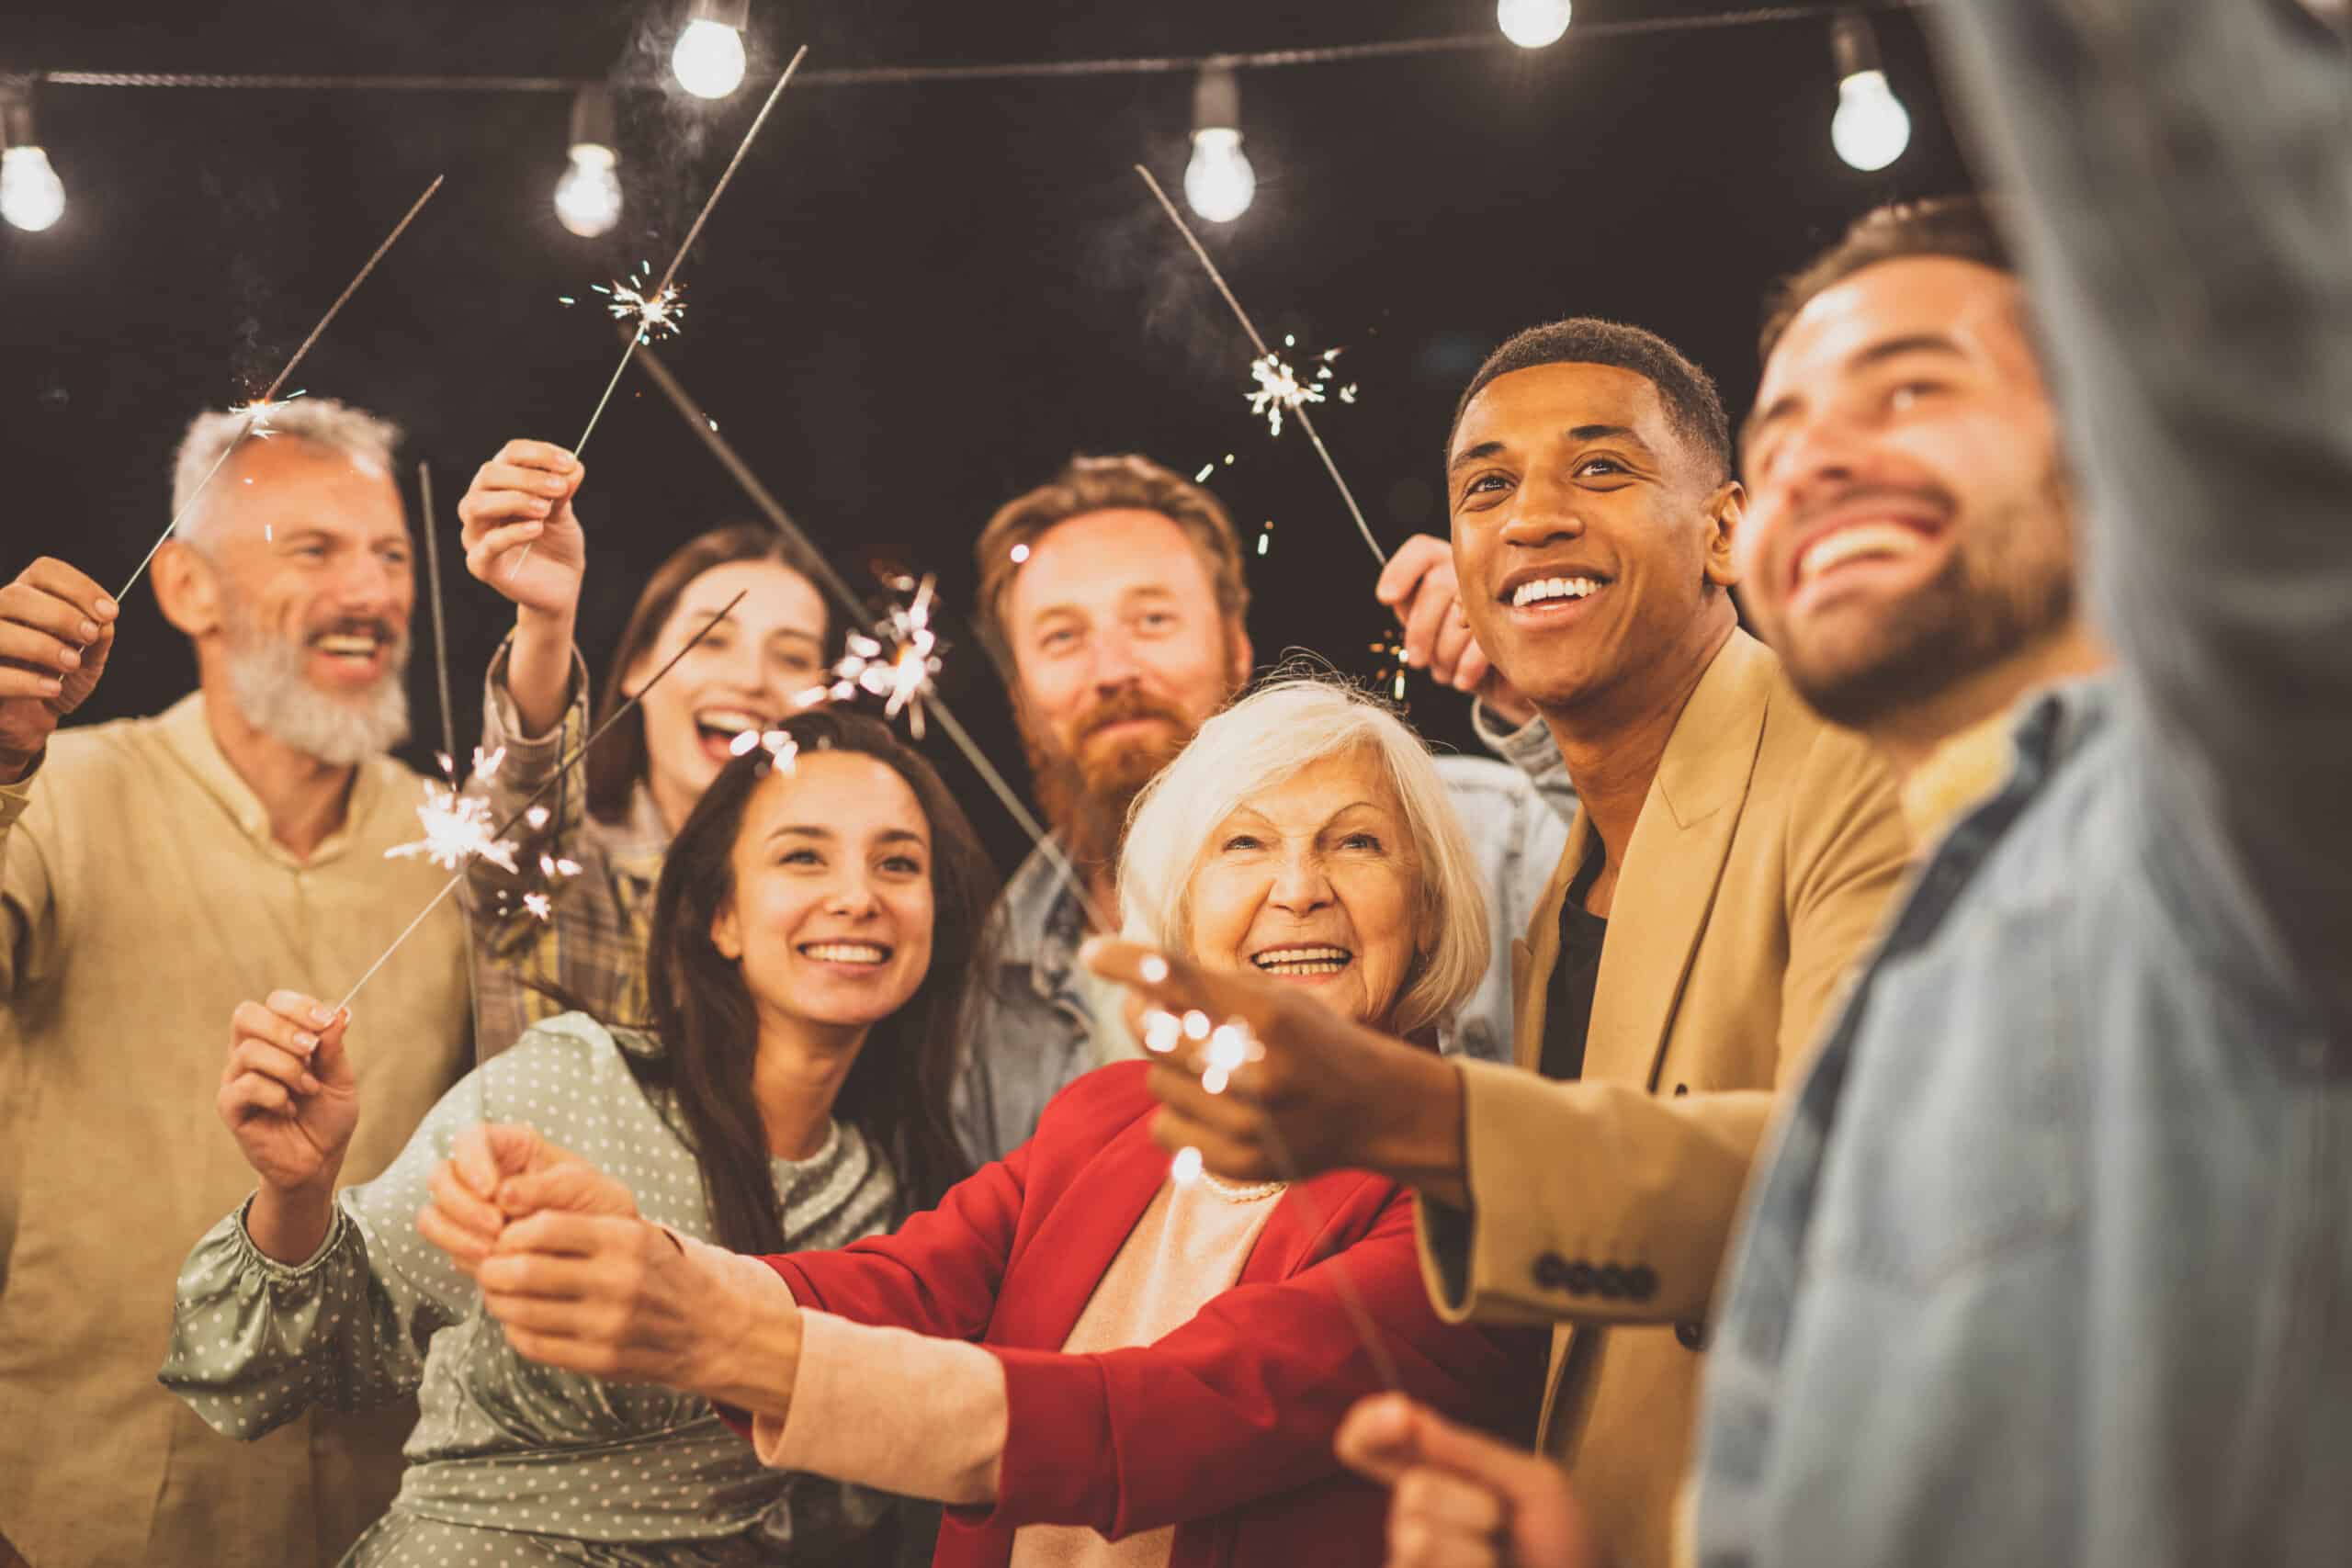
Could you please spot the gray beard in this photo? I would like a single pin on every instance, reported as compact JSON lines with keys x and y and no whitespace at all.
{"x":265,"y":677}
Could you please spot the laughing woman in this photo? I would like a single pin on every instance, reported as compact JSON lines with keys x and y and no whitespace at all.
{"x":1091,"y":1362}
{"x":524,"y":538}
{"x":809,"y":938}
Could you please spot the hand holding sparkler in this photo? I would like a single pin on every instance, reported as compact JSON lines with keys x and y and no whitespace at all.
{"x":291,"y":1099}
{"x":56,"y":630}
{"x":523,"y":537}
{"x":1308,"y":1090}
{"x":1418,"y":583}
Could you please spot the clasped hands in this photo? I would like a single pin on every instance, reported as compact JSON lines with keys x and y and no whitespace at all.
{"x":575,"y":1276}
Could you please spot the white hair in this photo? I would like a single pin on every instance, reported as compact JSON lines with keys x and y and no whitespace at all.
{"x":1295,"y":721}
{"x":364,"y":438}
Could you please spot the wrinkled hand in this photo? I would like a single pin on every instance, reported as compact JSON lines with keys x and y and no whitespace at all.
{"x":56,"y":630}
{"x":288,"y":1093}
{"x":1420,"y":585}
{"x":610,"y":1296}
{"x":497,"y":1174}
{"x":1460,"y":1499}
{"x":1327,"y":1093}
{"x":522,"y":500}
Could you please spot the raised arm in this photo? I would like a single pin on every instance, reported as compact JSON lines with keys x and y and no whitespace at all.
{"x":2187,"y":217}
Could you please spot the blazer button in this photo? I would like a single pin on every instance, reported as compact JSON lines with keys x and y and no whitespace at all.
{"x":1691,"y":1335}
{"x":1680,"y":1090}
{"x":1551,"y":1270}
{"x":1579,"y":1280}
{"x":1641,"y":1281}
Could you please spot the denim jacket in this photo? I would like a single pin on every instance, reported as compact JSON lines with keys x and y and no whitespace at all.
{"x":1033,"y":1032}
{"x":2051,"y":1261}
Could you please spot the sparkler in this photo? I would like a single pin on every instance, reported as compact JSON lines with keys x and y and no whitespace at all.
{"x":896,"y":662}
{"x":1279,"y":388}
{"x":707,"y":428}
{"x":656,"y":311}
{"x":1285,"y":377}
{"x":498,"y":835}
{"x":257,"y":411}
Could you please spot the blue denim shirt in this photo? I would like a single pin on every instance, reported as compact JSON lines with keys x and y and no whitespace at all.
{"x":2052,"y":1259}
{"x":1033,"y":1032}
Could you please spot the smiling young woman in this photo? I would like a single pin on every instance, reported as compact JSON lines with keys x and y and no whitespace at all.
{"x":810,"y":938}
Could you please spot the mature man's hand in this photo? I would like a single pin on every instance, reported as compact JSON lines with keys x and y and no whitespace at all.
{"x":1418,"y":583}
{"x":56,"y":630}
{"x":1324,"y":1093}
{"x":1459,"y":1499}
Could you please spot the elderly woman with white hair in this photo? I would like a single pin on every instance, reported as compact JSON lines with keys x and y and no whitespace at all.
{"x":1089,"y":1361}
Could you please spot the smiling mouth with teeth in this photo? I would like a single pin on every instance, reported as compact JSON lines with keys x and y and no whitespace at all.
{"x":845,"y":952}
{"x":346,"y":646}
{"x":1549,"y":590}
{"x":1296,"y":962}
{"x":1860,"y":541}
{"x":728,"y":723}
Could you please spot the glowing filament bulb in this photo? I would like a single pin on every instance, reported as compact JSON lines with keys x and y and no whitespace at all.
{"x":708,"y":58}
{"x":588,"y":197}
{"x":1870,"y":128}
{"x":31,"y":196}
{"x":1533,"y":24}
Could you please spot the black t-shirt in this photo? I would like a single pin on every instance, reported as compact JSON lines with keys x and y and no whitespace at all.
{"x":1568,"y":1012}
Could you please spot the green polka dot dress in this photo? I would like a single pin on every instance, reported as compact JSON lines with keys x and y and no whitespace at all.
{"x":512,"y":1462}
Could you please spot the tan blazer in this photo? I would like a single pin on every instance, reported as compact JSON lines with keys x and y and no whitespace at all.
{"x":1757,"y":875}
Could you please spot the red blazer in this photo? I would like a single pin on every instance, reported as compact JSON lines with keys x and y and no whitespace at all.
{"x":1223,"y":1428}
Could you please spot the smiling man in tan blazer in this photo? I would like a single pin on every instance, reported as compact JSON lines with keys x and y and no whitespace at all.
{"x":1729,"y":860}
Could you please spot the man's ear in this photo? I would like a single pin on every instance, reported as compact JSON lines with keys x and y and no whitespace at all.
{"x":1725,"y":510}
{"x":727,"y":932}
{"x":1240,"y":657}
{"x":188,"y":589}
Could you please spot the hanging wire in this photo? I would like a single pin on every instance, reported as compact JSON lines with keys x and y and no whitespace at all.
{"x":1486,"y":40}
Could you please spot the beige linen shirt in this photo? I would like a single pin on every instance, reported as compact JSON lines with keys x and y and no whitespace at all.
{"x":142,"y":898}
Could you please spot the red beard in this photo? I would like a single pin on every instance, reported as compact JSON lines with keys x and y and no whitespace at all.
{"x":1086,"y":796}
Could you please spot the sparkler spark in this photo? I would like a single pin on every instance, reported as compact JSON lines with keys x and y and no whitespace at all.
{"x":258,"y":413}
{"x":1279,"y":389}
{"x":1392,"y":654}
{"x":896,"y":662}
{"x":458,"y":830}
{"x":658,"y":315}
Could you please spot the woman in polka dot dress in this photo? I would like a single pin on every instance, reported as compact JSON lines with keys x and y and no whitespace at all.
{"x":812,"y":929}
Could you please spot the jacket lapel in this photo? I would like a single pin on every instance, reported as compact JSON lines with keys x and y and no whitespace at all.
{"x":1074,"y":1245}
{"x":1666,"y":886}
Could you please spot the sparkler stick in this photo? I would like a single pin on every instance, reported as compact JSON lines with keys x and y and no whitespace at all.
{"x":441,"y":679}
{"x":1306,"y":421}
{"x":257,"y":412}
{"x":547,"y":784}
{"x":706,"y":429}
{"x":657,"y":298}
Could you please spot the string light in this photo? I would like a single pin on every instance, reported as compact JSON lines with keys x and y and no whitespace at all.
{"x":1219,"y":182}
{"x":31,"y":196}
{"x":1870,"y":128}
{"x":588,"y":198}
{"x":1533,"y":24}
{"x":708,"y":58}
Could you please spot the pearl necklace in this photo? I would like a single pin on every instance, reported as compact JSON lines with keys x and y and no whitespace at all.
{"x":1241,"y":1192}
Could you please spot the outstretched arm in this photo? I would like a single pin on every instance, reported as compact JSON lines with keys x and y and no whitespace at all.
{"x":2187,"y":214}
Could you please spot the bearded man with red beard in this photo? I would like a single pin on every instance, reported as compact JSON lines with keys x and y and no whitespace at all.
{"x":1113,"y":601}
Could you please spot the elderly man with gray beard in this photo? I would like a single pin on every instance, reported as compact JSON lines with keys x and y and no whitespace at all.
{"x":153,"y":872}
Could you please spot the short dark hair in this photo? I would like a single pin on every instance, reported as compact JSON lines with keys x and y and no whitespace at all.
{"x":1689,"y":392}
{"x":1960,"y":227}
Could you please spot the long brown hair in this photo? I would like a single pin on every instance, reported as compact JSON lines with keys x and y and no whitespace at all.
{"x":617,"y":762}
{"x":898,"y":1091}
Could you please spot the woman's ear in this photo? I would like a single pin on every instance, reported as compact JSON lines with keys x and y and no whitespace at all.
{"x":726,"y":932}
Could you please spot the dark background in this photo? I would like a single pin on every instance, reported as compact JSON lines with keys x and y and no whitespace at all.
{"x":915,"y":300}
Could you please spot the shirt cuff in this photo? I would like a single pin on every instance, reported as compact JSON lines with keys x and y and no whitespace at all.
{"x":1522,"y":747}
{"x":890,"y":1408}
{"x":503,"y":724}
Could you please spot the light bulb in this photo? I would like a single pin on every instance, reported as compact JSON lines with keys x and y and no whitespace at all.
{"x":1872,"y":128}
{"x":709,"y":59}
{"x":1532,"y":24}
{"x":1219,"y":182}
{"x":588,"y":198}
{"x":31,"y":196}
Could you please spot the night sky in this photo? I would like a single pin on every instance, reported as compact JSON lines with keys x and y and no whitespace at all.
{"x":915,"y":300}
